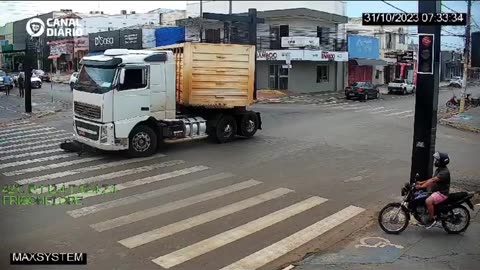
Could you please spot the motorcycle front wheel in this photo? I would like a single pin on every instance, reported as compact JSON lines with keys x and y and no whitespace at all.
{"x":393,"y":218}
{"x":457,"y":220}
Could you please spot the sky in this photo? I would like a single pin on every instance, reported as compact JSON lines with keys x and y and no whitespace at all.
{"x":15,"y":10}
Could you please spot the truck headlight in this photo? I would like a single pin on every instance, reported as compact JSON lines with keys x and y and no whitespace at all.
{"x":106,"y":131}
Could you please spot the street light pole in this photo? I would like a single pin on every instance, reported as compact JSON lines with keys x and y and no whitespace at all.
{"x":466,"y":57}
{"x":426,"y":97}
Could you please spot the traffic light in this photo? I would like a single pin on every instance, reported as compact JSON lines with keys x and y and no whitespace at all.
{"x":425,"y":53}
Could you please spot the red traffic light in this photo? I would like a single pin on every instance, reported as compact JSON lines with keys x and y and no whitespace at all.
{"x":427,"y":41}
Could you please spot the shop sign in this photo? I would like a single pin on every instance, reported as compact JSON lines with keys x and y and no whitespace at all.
{"x":280,"y":55}
{"x":300,"y":42}
{"x":131,"y":39}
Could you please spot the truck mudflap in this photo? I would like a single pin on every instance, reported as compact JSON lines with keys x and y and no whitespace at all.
{"x":259,"y":120}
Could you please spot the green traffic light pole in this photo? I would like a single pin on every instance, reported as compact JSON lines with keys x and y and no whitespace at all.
{"x":426,"y":97}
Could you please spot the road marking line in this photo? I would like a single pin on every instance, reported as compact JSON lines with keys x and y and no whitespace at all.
{"x":158,"y":210}
{"x":372,"y":109}
{"x":30,"y":143}
{"x":219,"y":240}
{"x":147,"y":195}
{"x":52,"y":166}
{"x":326,"y":105}
{"x":139,"y":182}
{"x":31,"y":154}
{"x":29,"y":161}
{"x":406,"y":116}
{"x":189,"y":223}
{"x":86,"y":169}
{"x":354,"y":107}
{"x":23,"y":127}
{"x":112,"y":175}
{"x":376,"y":112}
{"x":14,"y":124}
{"x":35,"y":140}
{"x":290,"y":267}
{"x":294,"y":241}
{"x":22,"y":138}
{"x":397,"y":113}
{"x":17,"y":133}
{"x":29,"y":148}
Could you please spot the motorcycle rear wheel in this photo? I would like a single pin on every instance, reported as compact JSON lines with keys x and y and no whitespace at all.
{"x":446,"y":224}
{"x":402,"y":211}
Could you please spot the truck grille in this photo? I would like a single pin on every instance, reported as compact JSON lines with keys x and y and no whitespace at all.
{"x":87,"y":110}
{"x":87,"y":130}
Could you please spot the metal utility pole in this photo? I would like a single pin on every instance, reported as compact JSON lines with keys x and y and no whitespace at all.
{"x":426,"y":97}
{"x":30,"y":45}
{"x":230,"y":23}
{"x":466,"y":56}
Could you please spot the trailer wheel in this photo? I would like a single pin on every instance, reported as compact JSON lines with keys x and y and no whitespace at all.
{"x":225,"y":129}
{"x":142,"y":142}
{"x":248,"y":124}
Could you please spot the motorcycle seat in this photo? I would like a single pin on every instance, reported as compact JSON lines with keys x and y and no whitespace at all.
{"x":457,"y":197}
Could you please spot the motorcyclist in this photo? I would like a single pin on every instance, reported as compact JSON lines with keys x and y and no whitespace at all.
{"x":439,"y":184}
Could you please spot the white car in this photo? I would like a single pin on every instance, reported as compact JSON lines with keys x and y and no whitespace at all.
{"x":73,"y":80}
{"x":401,"y":86}
{"x":35,"y":81}
{"x":456,"y":82}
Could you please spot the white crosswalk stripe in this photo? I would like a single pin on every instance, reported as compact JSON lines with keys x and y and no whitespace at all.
{"x":31,"y":136}
{"x":137,"y":183}
{"x":398,"y":113}
{"x":52,"y":166}
{"x":32,"y":154}
{"x":382,"y":111}
{"x":23,"y":149}
{"x":189,"y":223}
{"x":85,"y":169}
{"x":20,"y":133}
{"x":147,"y":195}
{"x":112,"y":175}
{"x":286,"y":245}
{"x":370,"y":109}
{"x":158,"y":210}
{"x":20,"y":123}
{"x":219,"y":240}
{"x":37,"y":160}
{"x":22,"y":146}
{"x":23,"y":127}
{"x":406,"y":116}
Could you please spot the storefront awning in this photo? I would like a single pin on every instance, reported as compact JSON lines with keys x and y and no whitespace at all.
{"x":54,"y":56}
{"x":370,"y":62}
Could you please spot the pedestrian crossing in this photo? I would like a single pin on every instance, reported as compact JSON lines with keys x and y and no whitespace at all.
{"x":369,"y":109}
{"x":28,"y":159}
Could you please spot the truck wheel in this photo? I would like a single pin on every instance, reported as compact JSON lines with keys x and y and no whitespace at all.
{"x":248,"y":124}
{"x":226,"y":129}
{"x":142,"y":142}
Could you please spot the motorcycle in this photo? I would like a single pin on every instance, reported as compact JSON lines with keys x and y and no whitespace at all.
{"x":454,"y":216}
{"x":455,"y":102}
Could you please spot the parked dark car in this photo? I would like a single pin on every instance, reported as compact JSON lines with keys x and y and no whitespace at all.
{"x":6,"y":81}
{"x":42,"y":75}
{"x":362,"y":90}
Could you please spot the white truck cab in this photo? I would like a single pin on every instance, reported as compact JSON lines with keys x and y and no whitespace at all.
{"x":126,"y":100}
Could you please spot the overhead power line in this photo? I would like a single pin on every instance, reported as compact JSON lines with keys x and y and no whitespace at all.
{"x":445,"y":6}
{"x":394,"y":6}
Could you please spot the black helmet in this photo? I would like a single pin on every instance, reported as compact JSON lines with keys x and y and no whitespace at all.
{"x":441,"y":159}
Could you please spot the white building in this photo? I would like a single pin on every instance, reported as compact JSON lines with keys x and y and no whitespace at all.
{"x":334,"y":7}
{"x":393,"y":41}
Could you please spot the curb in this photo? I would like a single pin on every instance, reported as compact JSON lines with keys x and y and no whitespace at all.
{"x":460,"y":126}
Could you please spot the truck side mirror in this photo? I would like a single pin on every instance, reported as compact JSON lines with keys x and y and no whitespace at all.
{"x":122,"y":76}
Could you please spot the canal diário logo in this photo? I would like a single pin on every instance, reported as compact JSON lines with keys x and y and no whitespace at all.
{"x":35,"y":27}
{"x":54,"y":27}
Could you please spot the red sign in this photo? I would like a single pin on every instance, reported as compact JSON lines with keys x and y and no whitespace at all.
{"x":328,"y":56}
{"x":267,"y":55}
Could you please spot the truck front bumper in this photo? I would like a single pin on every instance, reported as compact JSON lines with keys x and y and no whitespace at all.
{"x":100,"y":136}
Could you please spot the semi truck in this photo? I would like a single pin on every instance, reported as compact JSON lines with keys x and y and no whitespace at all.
{"x":135,"y":100}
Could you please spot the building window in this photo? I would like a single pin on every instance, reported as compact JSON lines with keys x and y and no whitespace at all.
{"x":322,"y":74}
{"x":278,"y":77}
{"x":212,"y":35}
{"x":402,"y":39}
{"x":377,"y":74}
{"x":323,"y":34}
{"x":388,"y":41}
{"x":276,"y":34}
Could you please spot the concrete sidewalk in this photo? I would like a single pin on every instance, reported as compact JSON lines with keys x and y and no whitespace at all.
{"x":414,"y":248}
{"x":468,"y":121}
{"x":285,"y":97}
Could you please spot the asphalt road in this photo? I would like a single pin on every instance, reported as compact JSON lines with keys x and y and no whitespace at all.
{"x":313,"y":175}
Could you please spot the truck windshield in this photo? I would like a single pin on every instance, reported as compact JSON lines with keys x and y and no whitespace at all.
{"x":95,"y":79}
